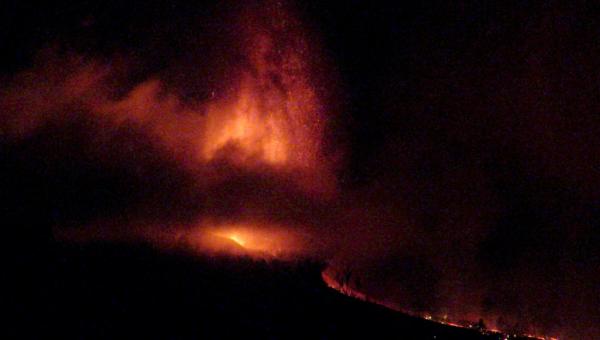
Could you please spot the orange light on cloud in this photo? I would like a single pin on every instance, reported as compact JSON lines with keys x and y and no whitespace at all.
{"x":254,"y":239}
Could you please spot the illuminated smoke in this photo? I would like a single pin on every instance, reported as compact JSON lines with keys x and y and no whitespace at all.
{"x":257,"y":139}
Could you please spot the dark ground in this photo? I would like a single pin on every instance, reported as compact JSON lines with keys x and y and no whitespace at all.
{"x":116,"y":290}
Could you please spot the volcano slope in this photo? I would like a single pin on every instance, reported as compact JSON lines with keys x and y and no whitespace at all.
{"x":108,"y":290}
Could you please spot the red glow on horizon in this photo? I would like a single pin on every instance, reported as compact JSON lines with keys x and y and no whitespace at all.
{"x":254,"y":239}
{"x":335,"y":280}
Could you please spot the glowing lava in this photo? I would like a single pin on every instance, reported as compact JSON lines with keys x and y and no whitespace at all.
{"x":237,"y":239}
{"x":250,"y":239}
{"x":340,"y":282}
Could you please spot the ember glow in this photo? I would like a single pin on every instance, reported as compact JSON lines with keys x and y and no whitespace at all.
{"x":340,"y":282}
{"x":236,"y":238}
{"x":255,"y":239}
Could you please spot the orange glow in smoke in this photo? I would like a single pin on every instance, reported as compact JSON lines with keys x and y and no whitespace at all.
{"x":250,"y":239}
{"x":274,"y":116}
{"x":237,"y":239}
{"x":246,"y":131}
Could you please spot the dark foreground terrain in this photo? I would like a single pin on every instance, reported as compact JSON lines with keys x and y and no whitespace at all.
{"x":124,"y":291}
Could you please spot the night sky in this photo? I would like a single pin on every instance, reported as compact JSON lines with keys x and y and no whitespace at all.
{"x":463,"y":139}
